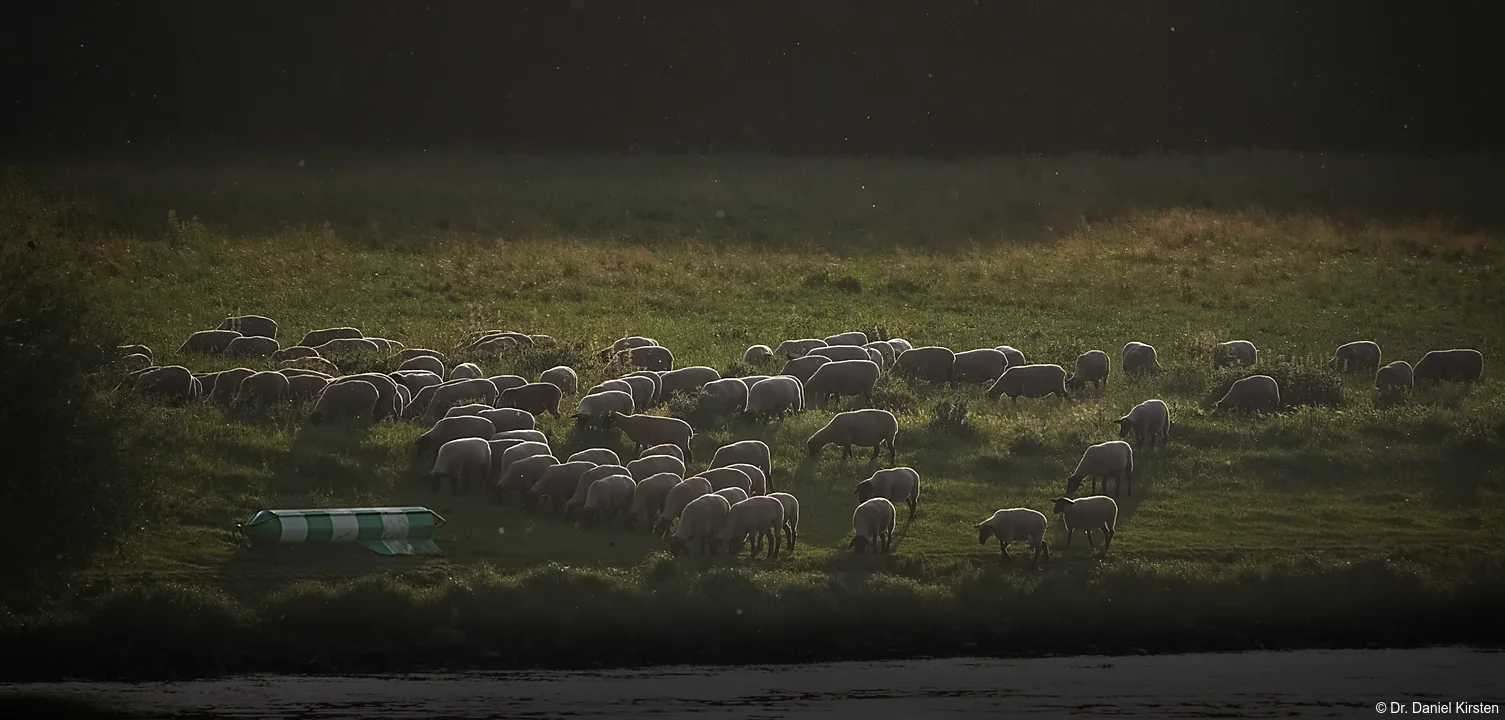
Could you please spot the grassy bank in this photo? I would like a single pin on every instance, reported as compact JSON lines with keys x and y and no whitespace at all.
{"x":1322,"y":523}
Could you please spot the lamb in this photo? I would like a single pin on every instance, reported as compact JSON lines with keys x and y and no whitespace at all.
{"x":755,"y":475}
{"x":1013,"y":356}
{"x":1256,"y":393}
{"x":626,"y":343}
{"x":680,"y":496}
{"x":930,"y":363}
{"x":561,"y":377}
{"x":791,"y":517}
{"x":885,"y":349}
{"x":208,"y":342}
{"x":599,"y":456}
{"x":648,"y":501}
{"x":407,"y":354}
{"x":227,"y":385}
{"x":855,"y":337}
{"x":503,"y":383}
{"x":751,"y":452}
{"x":652,"y":357}
{"x":455,"y":392}
{"x":423,"y":362}
{"x":983,"y":365}
{"x":1241,"y":351}
{"x":900,"y":484}
{"x":525,"y":435}
{"x":125,"y":350}
{"x":312,"y":362}
{"x":1395,"y":376}
{"x":643,"y":390}
{"x":466,"y":371}
{"x":702,"y":519}
{"x":607,"y":498}
{"x":1097,"y":512}
{"x":725,"y":477}
{"x":347,"y":346}
{"x":873,"y":524}
{"x":775,"y":396}
{"x":841,"y":352}
{"x":1091,"y":366}
{"x":452,"y":429}
{"x":686,"y":380}
{"x":460,"y":461}
{"x":251,"y":326}
{"x":536,"y":398}
{"x":315,"y":338}
{"x":649,"y":430}
{"x":505,"y":419}
{"x":522,"y":475}
{"x":303,"y":387}
{"x":1149,"y":418}
{"x":1032,"y":381}
{"x":599,"y":407}
{"x":251,"y":346}
{"x":864,"y":428}
{"x":804,"y":367}
{"x":643,"y":468}
{"x":1139,"y":357}
{"x":388,"y":402}
{"x":582,"y":486}
{"x":556,"y":486}
{"x":759,"y":517}
{"x":663,"y":449}
{"x":1459,"y":365}
{"x":1358,"y":355}
{"x":757,"y":355}
{"x":171,"y":381}
{"x":790,"y":349}
{"x":1112,"y":459}
{"x":293,"y":353}
{"x":353,"y":400}
{"x":1012,"y":525}
{"x":263,"y":388}
{"x":731,"y":393}
{"x":842,"y":377}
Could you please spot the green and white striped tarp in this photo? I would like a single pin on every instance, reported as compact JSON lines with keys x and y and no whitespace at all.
{"x":389,"y":531}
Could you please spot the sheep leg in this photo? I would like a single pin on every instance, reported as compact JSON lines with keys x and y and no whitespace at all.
{"x":1107,"y":536}
{"x":912,"y":503}
{"x":1094,"y":485}
{"x":1091,"y":544}
{"x":890,"y":442}
{"x":774,"y":541}
{"x":1003,"y":549}
{"x":876,"y":447}
{"x":846,"y":451}
{"x":1069,"y":533}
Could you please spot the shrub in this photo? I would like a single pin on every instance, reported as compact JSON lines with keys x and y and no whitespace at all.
{"x":949,"y":416}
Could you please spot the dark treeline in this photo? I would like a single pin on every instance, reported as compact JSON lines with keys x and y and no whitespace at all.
{"x":800,"y":76}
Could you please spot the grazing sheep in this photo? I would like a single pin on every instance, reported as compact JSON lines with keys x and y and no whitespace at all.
{"x":347,"y":346}
{"x":643,"y":390}
{"x":466,"y":371}
{"x":500,"y":343}
{"x":1013,"y":356}
{"x":733,"y":495}
{"x":855,"y":337}
{"x":791,"y":517}
{"x":725,"y":477}
{"x":404,"y":395}
{"x":598,"y":408}
{"x":1091,"y":366}
{"x":617,"y":385}
{"x":505,"y":419}
{"x":1139,"y":357}
{"x":864,"y":428}
{"x":686,"y":380}
{"x":730,"y":393}
{"x":680,"y":496}
{"x":133,"y":362}
{"x":522,"y":475}
{"x":1358,"y":355}
{"x":303,"y":387}
{"x":654,"y":377}
{"x":170,"y":381}
{"x":1031,"y":381}
{"x":208,"y":342}
{"x":561,"y":377}
{"x":300,"y":372}
{"x":929,"y":363}
{"x":841,"y":352}
{"x":1395,"y":376}
{"x":663,"y":449}
{"x":651,"y":357}
{"x":899,"y":345}
{"x":599,"y":456}
{"x":1097,"y":512}
{"x":775,"y":396}
{"x":642,"y":468}
{"x":649,"y":499}
{"x":1241,"y":351}
{"x":1149,"y":418}
{"x":556,"y":486}
{"x":526,"y":435}
{"x":248,"y":346}
{"x":251,"y":326}
{"x":1112,"y":459}
{"x":384,"y":345}
{"x":455,"y":392}
{"x":460,"y":461}
{"x":755,"y":475}
{"x":227,"y":385}
{"x":762,"y":518}
{"x":518,"y":451}
{"x":900,"y":484}
{"x":503,"y":383}
{"x":577,"y":498}
{"x":750,"y":380}
{"x":543,"y":340}
{"x":388,"y":402}
{"x":312,"y":362}
{"x":1012,"y":525}
{"x":423,"y":362}
{"x":353,"y":400}
{"x":842,"y":377}
{"x":607,"y":499}
{"x":315,"y":338}
{"x":624,"y":344}
{"x":885,"y":349}
{"x":1459,"y":365}
{"x":263,"y":388}
{"x":873,"y":524}
{"x":407,"y":354}
{"x":125,"y":350}
{"x":750,"y":452}
{"x":876,"y":357}
{"x":649,"y":430}
{"x":790,"y":349}
{"x":804,"y":367}
{"x":536,"y":398}
{"x":452,"y":429}
{"x":757,"y":355}
{"x":1256,"y":393}
{"x":471,"y":409}
{"x":700,"y":519}
{"x":293,"y":353}
{"x":983,"y":365}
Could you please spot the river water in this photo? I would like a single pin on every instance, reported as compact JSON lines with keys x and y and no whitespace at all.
{"x":1307,"y":683}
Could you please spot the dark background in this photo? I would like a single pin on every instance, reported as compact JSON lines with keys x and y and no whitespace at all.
{"x":812,"y":76}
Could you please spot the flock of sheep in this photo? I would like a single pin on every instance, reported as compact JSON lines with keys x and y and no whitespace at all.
{"x":482,"y":429}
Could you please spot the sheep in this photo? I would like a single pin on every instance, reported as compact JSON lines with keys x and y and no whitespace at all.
{"x":730,"y":393}
{"x":208,"y":342}
{"x":900,"y":484}
{"x":842,"y":377}
{"x":521,"y":475}
{"x":751,"y":452}
{"x":1139,"y":357}
{"x":899,"y":345}
{"x":527,"y":435}
{"x":686,"y":380}
{"x":452,"y":429}
{"x":928,"y":363}
{"x":423,"y":362}
{"x":1458,"y":365}
{"x":1357,"y":355}
{"x":599,"y":456}
{"x":885,"y":349}
{"x":652,"y":357}
{"x":404,"y":395}
{"x":251,"y":326}
{"x":303,"y":387}
{"x":663,"y":449}
{"x":556,"y":486}
{"x":642,"y":468}
{"x":607,"y":499}
{"x":983,"y":365}
{"x":455,"y":392}
{"x":775,"y":396}
{"x":577,"y":498}
{"x":388,"y":402}
{"x":733,"y":495}
{"x":790,"y":349}
{"x":495,"y":345}
{"x":461,"y":460}
{"x":138,"y":349}
{"x":1096,"y":512}
{"x":227,"y":385}
{"x":626,"y":343}
{"x":503,"y":383}
{"x":133,"y":362}
{"x":1256,"y":393}
{"x":1112,"y":459}
{"x":643,"y":390}
{"x":855,"y":337}
{"x":791,"y":517}
{"x":618,"y":385}
{"x":598,"y":408}
{"x":679,"y":496}
{"x":543,"y":340}
{"x":760,"y":517}
{"x":648,"y":501}
{"x":384,"y":345}
{"x":1032,"y":381}
{"x":293,"y":353}
{"x":347,"y":346}
{"x":1013,"y":356}
{"x":1149,"y":418}
{"x":263,"y":388}
{"x":863,"y":428}
{"x":700,"y":519}
{"x":1241,"y":351}
{"x":1395,"y":376}
{"x":876,"y":357}
{"x":312,"y":362}
{"x":562,"y":377}
{"x":515,"y":452}
{"x":293,"y":372}
{"x":757,"y":478}
{"x":353,"y":400}
{"x":171,"y":381}
{"x":651,"y":376}
{"x":873,"y":524}
{"x":471,"y":409}
{"x":751,"y":380}
{"x":247,"y":346}
{"x":803,"y":367}
{"x":757,"y":355}
{"x":1012,"y":525}
{"x":725,"y":477}
{"x":841,"y":352}
{"x":649,"y":430}
{"x":1091,"y":366}
{"x":315,"y":338}
{"x":505,"y":419}
{"x":536,"y":398}
{"x":466,"y":371}
{"x":407,"y":354}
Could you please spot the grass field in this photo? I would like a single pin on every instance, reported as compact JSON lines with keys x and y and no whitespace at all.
{"x":1300,"y":520}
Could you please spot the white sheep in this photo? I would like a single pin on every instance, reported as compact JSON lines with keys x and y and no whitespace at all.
{"x":650,"y":430}
{"x":1241,"y":351}
{"x":607,"y":499}
{"x":651,"y":376}
{"x":649,"y":358}
{"x":1013,"y":356}
{"x":404,"y":395}
{"x":1113,"y":459}
{"x":503,"y":383}
{"x":529,"y":435}
{"x":791,"y":517}
{"x":599,"y":407}
{"x":842,"y":377}
{"x":1031,"y":381}
{"x":1013,"y":525}
{"x":1458,"y":365}
{"x":885,"y":349}
{"x":452,"y":429}
{"x":524,"y":449}
{"x":1096,"y":512}
{"x":642,"y":468}
{"x":251,"y":326}
{"x":208,"y":342}
{"x":775,"y":396}
{"x":864,"y":428}
{"x":297,"y":372}
{"x":263,"y":388}
{"x":315,"y":362}
{"x":556,"y":486}
{"x":733,"y":495}
{"x":644,"y":390}
{"x":900,"y":484}
{"x":251,"y":346}
{"x":1396,"y":376}
{"x":136,"y":349}
{"x":751,"y":452}
{"x":1256,"y":393}
{"x":803,"y":367}
{"x":929,"y":363}
{"x":536,"y":398}
{"x":470,"y":409}
{"x":304,"y":387}
{"x":1150,"y":418}
{"x":680,"y":496}
{"x":563,"y":377}
{"x":730,"y":393}
{"x":315,"y":338}
{"x":790,"y":349}
{"x":466,"y":371}
{"x":460,"y":461}
{"x":899,"y":345}
{"x":755,"y":475}
{"x":171,"y":381}
{"x":873,"y":524}
{"x":1139,"y":357}
{"x":577,"y":499}
{"x":353,"y":400}
{"x":388,"y":402}
{"x":762,"y":518}
{"x":385,"y":345}
{"x":407,"y":354}
{"x":757,"y":355}
{"x":855,"y":337}
{"x":686,"y":380}
{"x":648,"y":500}
{"x":982,"y":365}
{"x":725,"y":477}
{"x":876,"y":357}
{"x":1358,"y":355}
{"x":700,"y":519}
{"x":293,"y":353}
{"x":438,"y":399}
{"x":663,"y":449}
{"x":626,"y":343}
{"x":1091,"y":366}
{"x":838,"y":353}
{"x":599,"y":456}
{"x":227,"y":385}
{"x":133,"y":362}
{"x":505,"y":419}
{"x":348,"y":346}
{"x":423,"y":362}
{"x":522,"y":475}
